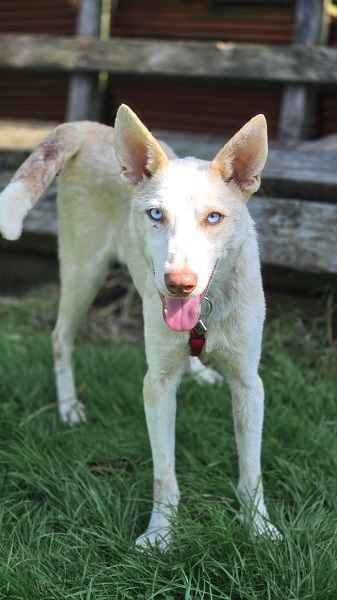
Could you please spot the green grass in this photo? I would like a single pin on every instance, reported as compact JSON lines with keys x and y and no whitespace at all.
{"x":65,"y":533}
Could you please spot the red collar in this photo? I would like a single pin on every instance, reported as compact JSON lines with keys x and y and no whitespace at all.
{"x":197,"y":343}
{"x":197,"y":338}
{"x":198,"y":333}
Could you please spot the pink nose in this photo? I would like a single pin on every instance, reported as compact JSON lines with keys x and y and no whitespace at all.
{"x":181,"y":283}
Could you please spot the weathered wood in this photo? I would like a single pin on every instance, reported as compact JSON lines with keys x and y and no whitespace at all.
{"x":296,"y":114}
{"x":299,"y":102}
{"x":296,"y":225}
{"x":176,"y":59}
{"x":311,"y":23}
{"x":84,"y":99}
{"x":308,"y":172}
{"x":292,"y":233}
{"x":296,"y":234}
{"x":301,"y":174}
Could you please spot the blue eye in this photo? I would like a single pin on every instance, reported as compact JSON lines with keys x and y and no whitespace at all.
{"x":214,"y":217}
{"x":155,"y":214}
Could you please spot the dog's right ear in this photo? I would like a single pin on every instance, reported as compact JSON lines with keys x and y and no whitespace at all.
{"x":138,"y":152}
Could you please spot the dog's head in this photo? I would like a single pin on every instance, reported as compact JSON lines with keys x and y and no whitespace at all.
{"x":187,"y":215}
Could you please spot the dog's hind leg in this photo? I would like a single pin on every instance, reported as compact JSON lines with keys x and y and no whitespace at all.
{"x":203,"y":375}
{"x":85,"y":251}
{"x":75,"y":300}
{"x":77,"y":292}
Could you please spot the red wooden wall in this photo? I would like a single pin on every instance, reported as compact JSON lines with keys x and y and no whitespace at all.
{"x":212,"y":108}
{"x":35,"y":96}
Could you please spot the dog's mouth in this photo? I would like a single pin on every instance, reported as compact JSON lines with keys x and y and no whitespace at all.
{"x":181,"y":314}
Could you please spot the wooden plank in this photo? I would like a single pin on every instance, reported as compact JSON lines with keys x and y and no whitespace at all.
{"x":296,"y":115}
{"x":299,"y":102}
{"x":176,"y":59}
{"x":310,"y":22}
{"x":84,"y":99}
{"x":292,"y":233}
{"x":296,"y":234}
{"x":307,"y":172}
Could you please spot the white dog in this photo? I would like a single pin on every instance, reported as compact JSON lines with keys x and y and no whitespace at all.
{"x":183,"y":229}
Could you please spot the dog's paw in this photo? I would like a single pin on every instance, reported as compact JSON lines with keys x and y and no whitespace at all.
{"x":207,"y":376}
{"x":204,"y":375}
{"x":72,"y":413}
{"x":261,"y":525}
{"x":155,"y":537}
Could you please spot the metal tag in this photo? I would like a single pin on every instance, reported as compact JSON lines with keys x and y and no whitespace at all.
{"x":200,"y":327}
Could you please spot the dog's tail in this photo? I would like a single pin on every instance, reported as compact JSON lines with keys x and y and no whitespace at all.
{"x":36,"y":173}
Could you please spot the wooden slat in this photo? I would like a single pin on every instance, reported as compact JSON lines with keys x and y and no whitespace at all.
{"x":294,"y":234}
{"x":83,"y":97}
{"x":308,"y":172}
{"x":299,"y":102}
{"x":189,"y":60}
{"x":326,"y":116}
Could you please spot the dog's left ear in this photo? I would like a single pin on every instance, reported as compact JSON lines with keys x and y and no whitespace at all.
{"x":137,"y":150}
{"x":242,"y":159}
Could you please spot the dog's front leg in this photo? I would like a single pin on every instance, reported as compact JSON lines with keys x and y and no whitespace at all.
{"x":248,"y":407}
{"x":160,"y":410}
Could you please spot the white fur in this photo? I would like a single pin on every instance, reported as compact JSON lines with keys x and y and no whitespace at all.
{"x":14,"y":206}
{"x":101,"y":219}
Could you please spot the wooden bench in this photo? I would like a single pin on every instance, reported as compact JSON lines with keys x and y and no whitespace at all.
{"x":296,"y":208}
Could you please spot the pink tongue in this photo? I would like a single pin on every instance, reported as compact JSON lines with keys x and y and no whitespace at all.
{"x":182,"y":313}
